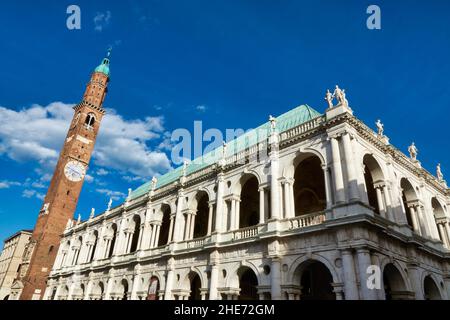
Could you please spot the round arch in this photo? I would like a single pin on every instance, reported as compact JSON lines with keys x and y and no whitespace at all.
{"x":314,"y":257}
{"x":430,"y":287}
{"x":309,"y":184}
{"x":315,"y":280}
{"x":395,"y":285}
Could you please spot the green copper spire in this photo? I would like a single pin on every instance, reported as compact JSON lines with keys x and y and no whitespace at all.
{"x":104,"y":66}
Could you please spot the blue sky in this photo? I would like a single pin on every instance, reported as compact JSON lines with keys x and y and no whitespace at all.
{"x":227,"y":63}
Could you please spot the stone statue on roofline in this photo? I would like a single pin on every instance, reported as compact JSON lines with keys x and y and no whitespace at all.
{"x":329,"y":98}
{"x":109,"y":204}
{"x":153,"y":183}
{"x":92,"y":213}
{"x":439,"y":174}
{"x":380,"y":127}
{"x":273,"y":123}
{"x":413,"y":151}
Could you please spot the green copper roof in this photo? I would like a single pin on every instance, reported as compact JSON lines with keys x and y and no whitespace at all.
{"x":103,"y":67}
{"x":284,"y":122}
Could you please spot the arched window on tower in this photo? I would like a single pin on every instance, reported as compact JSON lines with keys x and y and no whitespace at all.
{"x":90,"y":120}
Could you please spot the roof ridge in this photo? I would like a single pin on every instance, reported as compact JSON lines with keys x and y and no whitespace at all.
{"x":285,"y":121}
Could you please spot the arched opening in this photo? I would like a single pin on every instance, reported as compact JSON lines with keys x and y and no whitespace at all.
{"x":153,"y":289}
{"x":136,"y":232}
{"x":195,"y":285}
{"x":90,"y":120}
{"x":315,"y":281}
{"x":101,"y":290}
{"x":248,"y":283}
{"x":113,"y":240}
{"x":164,"y":231}
{"x":431,"y":291}
{"x":309,"y":186}
{"x":53,"y":295}
{"x":124,"y":291}
{"x":77,"y":249}
{"x":394,"y":285}
{"x":94,"y":246}
{"x":249,"y":205}
{"x":81,"y":292}
{"x":201,"y":219}
{"x":408,"y":195}
{"x":372,"y":175}
{"x":439,"y":213}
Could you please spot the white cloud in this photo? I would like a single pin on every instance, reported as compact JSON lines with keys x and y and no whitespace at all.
{"x":102,"y":172}
{"x":114,"y":195}
{"x":201,"y":108}
{"x":37,"y":134}
{"x":5,"y":184}
{"x":88,"y":178}
{"x":102,"y":20}
{"x":28,"y":193}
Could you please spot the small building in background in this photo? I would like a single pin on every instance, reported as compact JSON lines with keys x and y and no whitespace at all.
{"x":11,"y":261}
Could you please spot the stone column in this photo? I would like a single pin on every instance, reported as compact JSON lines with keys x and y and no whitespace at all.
{"x":423,"y":222}
{"x":348,"y":269}
{"x":415,"y":281}
{"x":274,"y":188}
{"x":187,"y":227}
{"x":210,"y":217}
{"x":414,"y":219}
{"x":237,"y":213}
{"x":447,"y":228}
{"x":219,"y":227}
{"x":380,"y":201}
{"x":109,"y":288}
{"x":275,"y":278}
{"x":171,"y":226}
{"x":135,"y":288}
{"x":443,"y":234}
{"x":364,"y":262}
{"x":261,"y":205}
{"x":233,"y":214}
{"x":179,"y":219}
{"x":327,"y":187}
{"x":337,"y":171}
{"x":214,"y":279}
{"x":350,"y":165}
{"x":88,"y":290}
{"x":192,"y":225}
{"x":387,"y":200}
{"x":169,"y":280}
{"x":157,"y":231}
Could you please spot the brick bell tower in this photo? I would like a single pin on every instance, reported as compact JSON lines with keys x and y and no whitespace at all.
{"x":62,"y":195}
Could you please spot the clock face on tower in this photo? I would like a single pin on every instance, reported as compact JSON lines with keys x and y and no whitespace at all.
{"x":74,"y":171}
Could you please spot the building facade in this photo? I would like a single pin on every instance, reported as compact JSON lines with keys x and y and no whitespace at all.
{"x":306,"y":206}
{"x":11,"y":261}
{"x":65,"y":186}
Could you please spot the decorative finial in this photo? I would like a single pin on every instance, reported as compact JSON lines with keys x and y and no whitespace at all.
{"x":129,"y":193}
{"x":109,"y":204}
{"x":79,"y":219}
{"x":412,"y":149}
{"x":108,"y":54}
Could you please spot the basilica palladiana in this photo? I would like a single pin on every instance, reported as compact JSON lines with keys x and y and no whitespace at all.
{"x":305,"y":206}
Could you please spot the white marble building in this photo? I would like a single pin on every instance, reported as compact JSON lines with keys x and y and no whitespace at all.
{"x":303,"y":210}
